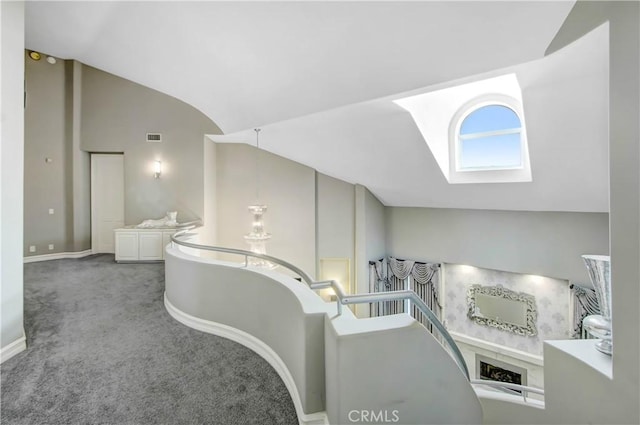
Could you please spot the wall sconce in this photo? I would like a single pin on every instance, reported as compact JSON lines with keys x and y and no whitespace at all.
{"x":157,"y":169}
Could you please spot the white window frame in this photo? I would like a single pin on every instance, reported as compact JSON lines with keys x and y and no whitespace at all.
{"x":497,"y":174}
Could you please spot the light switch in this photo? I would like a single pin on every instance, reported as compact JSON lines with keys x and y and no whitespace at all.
{"x":51,"y":211}
{"x":32,"y":248}
{"x":50,"y":247}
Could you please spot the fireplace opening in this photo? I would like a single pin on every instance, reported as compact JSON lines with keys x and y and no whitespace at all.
{"x":496,"y":370}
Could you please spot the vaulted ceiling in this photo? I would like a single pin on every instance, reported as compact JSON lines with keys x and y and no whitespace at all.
{"x":320,"y":77}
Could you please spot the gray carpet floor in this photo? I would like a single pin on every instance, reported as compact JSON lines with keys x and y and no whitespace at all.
{"x":103,"y":350}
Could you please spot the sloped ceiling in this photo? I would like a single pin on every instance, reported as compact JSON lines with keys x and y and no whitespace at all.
{"x":303,"y":71}
{"x":377,"y":144}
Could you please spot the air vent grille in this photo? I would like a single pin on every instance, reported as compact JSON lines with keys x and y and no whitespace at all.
{"x":154,"y":137}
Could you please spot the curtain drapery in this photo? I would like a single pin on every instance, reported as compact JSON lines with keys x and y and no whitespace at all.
{"x":419,"y":277}
{"x":585,"y":302}
{"x":423,"y":275}
{"x":377,"y":283}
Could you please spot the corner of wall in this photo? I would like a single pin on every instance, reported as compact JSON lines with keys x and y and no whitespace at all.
{"x":584,"y":16}
{"x":210,"y":195}
{"x":371,"y":243}
{"x":12,"y":171}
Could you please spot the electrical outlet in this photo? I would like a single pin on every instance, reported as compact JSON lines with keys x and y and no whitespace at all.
{"x":32,"y":248}
{"x":50,"y":247}
{"x":51,"y":211}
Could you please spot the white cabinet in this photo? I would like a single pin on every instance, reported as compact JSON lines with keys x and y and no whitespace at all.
{"x":134,"y":244}
{"x":150,"y":246}
{"x":126,"y":246}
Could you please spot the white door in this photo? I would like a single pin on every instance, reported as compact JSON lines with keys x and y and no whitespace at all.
{"x":107,"y":200}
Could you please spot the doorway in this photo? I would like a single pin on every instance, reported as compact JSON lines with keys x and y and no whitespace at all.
{"x":107,"y":200}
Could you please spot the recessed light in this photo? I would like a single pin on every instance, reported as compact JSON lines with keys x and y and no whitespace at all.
{"x":51,"y":60}
{"x":34,"y":55}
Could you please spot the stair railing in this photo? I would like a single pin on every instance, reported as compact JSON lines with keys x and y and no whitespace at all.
{"x":341,"y":296}
{"x":511,"y":388}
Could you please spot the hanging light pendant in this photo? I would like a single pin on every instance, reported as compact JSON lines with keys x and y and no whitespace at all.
{"x":258,"y":238}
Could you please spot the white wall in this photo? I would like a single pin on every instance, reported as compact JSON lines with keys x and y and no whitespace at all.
{"x":376,"y":241}
{"x":117,"y":114}
{"x":335,"y":235}
{"x":391,"y":364}
{"x":310,"y":215}
{"x":624,"y":152}
{"x":209,"y":232}
{"x":288,"y":190}
{"x":540,"y":243}
{"x":620,"y":398}
{"x":370,"y":240}
{"x":11,"y":171}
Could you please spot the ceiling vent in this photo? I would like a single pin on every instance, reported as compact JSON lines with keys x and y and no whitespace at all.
{"x":154,"y":137}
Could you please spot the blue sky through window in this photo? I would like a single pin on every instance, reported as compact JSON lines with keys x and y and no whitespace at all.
{"x":490,"y":150}
{"x":493,"y":151}
{"x":490,"y":118}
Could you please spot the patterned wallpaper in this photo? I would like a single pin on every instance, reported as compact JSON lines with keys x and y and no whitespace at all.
{"x":552,"y":301}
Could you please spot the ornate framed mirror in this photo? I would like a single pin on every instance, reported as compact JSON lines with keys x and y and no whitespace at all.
{"x":503,"y":308}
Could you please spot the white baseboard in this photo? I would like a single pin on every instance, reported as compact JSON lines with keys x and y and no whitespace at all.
{"x":256,"y":345}
{"x":57,"y":256}
{"x":17,"y":346}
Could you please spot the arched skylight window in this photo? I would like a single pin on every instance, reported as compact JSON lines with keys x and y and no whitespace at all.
{"x":489,"y":138}
{"x":475,"y":131}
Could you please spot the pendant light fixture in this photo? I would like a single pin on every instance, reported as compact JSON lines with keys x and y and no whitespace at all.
{"x":257,"y":238}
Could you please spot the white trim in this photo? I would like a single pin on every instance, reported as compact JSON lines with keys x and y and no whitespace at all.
{"x":95,"y":217}
{"x":57,"y":256}
{"x":497,"y":348}
{"x":256,"y":345}
{"x":483,"y":134}
{"x":489,"y":174}
{"x":17,"y":346}
{"x":474,"y":105}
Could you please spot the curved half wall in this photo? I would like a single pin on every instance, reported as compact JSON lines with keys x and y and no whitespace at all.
{"x":274,"y":315}
{"x":338,"y":369}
